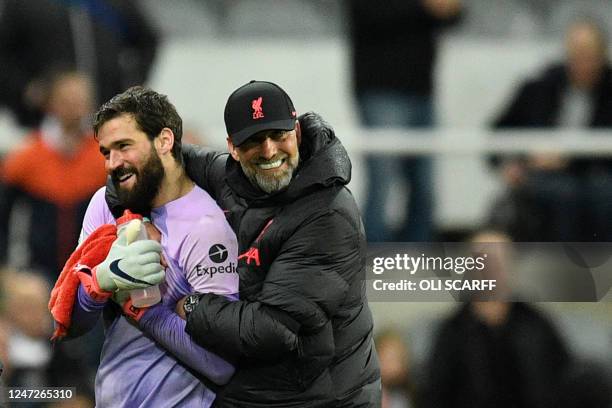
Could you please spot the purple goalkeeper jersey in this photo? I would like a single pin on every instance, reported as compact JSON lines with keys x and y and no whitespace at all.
{"x":146,"y":366}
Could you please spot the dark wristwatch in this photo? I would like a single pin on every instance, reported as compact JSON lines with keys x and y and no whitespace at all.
{"x":190,"y":303}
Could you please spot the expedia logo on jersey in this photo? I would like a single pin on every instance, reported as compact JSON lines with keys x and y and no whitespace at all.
{"x":218,"y":254}
{"x":201,"y":270}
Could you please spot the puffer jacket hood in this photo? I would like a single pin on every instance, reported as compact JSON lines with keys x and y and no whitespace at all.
{"x":324,"y":162}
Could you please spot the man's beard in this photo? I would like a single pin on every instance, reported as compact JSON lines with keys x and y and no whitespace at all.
{"x":139,"y":199}
{"x":271,"y":183}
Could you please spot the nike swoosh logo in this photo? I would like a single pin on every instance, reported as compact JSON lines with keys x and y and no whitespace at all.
{"x":114,"y":267}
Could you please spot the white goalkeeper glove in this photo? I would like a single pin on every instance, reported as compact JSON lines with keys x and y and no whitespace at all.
{"x":130,"y":266}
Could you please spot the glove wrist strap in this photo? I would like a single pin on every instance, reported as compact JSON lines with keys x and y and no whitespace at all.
{"x":89,"y":281}
{"x":133,"y":312}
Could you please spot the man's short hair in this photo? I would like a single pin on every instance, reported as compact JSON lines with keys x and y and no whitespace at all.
{"x":151,"y":110}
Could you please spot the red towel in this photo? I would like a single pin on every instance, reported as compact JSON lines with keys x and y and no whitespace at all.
{"x":91,"y":252}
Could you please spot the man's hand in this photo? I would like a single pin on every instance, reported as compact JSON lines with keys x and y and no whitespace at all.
{"x":179,"y":308}
{"x":513,"y":173}
{"x":132,"y":266}
{"x":548,"y":162}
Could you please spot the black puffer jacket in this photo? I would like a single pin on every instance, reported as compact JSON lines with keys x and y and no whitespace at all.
{"x":301,"y":335}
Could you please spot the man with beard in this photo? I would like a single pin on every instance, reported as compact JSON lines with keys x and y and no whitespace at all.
{"x":148,"y":360}
{"x":301,"y":333}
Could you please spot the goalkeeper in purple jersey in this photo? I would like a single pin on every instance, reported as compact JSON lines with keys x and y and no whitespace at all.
{"x":147,"y":359}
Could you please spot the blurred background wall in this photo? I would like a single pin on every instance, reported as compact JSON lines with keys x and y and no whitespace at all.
{"x":211,"y":47}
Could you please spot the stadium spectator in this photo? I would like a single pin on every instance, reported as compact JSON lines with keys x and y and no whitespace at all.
{"x":301,"y":332}
{"x":494,"y":353}
{"x":397,"y":386}
{"x":394,"y":55}
{"x":556,"y":198}
{"x":55,"y":172}
{"x":109,"y":40}
{"x":29,"y":349}
{"x":148,"y":359}
{"x":29,"y":358}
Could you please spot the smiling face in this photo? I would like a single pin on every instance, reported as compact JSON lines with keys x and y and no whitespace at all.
{"x":269,"y":158}
{"x":132,"y":162}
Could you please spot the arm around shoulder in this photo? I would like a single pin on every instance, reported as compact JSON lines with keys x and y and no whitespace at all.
{"x":206,"y":167}
{"x":235,"y":329}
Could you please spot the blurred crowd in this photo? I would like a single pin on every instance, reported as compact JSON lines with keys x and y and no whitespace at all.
{"x":486,"y":353}
{"x":490,"y":351}
{"x":548,"y":197}
{"x":61,"y":59}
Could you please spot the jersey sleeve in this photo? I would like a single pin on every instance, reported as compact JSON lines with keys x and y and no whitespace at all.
{"x":209,"y":256}
{"x":168,"y":330}
{"x":97,"y":214}
{"x":86,"y":310}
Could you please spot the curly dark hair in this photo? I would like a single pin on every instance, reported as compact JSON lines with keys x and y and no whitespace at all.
{"x":151,"y":110}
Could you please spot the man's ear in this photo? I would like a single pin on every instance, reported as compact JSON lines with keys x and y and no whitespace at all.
{"x":232,"y":149}
{"x":164,"y":142}
{"x":298,"y":132}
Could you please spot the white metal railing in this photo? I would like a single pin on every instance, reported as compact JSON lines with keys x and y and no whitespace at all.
{"x":478,"y":141}
{"x":443,"y":141}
